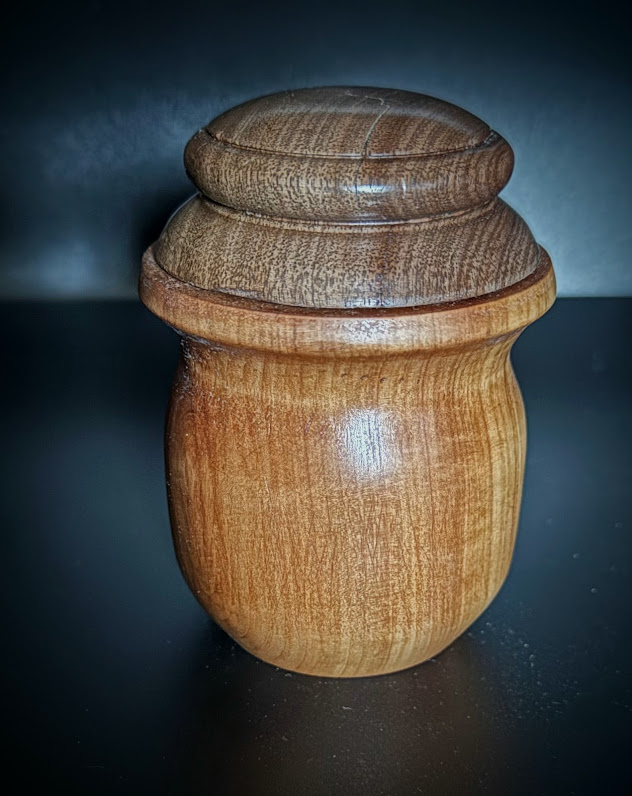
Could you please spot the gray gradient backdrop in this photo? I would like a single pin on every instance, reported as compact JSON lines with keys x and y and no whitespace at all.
{"x":101,"y":97}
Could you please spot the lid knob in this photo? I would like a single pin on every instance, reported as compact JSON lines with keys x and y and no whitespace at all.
{"x":348,"y":154}
{"x":348,"y":198}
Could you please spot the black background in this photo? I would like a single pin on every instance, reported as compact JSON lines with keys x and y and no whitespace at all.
{"x":115,"y":679}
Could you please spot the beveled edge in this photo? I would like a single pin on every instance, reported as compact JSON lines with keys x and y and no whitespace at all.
{"x":237,"y":322}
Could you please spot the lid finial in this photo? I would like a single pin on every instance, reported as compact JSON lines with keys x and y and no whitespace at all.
{"x":349,"y":154}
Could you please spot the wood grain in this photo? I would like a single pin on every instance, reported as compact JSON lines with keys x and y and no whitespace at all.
{"x":344,"y":491}
{"x":349,"y":154}
{"x":346,"y":437}
{"x":348,"y":197}
{"x":331,"y":265}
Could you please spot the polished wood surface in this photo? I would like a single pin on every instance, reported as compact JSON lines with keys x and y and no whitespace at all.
{"x":345,"y":471}
{"x":347,"y":197}
{"x":429,"y":261}
{"x":349,"y":154}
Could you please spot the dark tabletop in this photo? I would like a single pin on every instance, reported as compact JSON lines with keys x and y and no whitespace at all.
{"x":119,"y":683}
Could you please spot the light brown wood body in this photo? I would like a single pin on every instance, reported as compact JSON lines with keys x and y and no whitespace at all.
{"x":345,"y":505}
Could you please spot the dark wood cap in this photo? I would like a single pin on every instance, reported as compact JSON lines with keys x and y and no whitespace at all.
{"x":348,"y":154}
{"x":347,"y":198}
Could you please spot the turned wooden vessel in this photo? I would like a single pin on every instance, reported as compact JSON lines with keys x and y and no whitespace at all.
{"x":346,"y":437}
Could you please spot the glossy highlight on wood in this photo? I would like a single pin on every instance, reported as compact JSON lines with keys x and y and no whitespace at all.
{"x":344,"y":472}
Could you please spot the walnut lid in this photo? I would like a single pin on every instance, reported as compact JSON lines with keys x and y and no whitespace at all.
{"x":348,"y":197}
